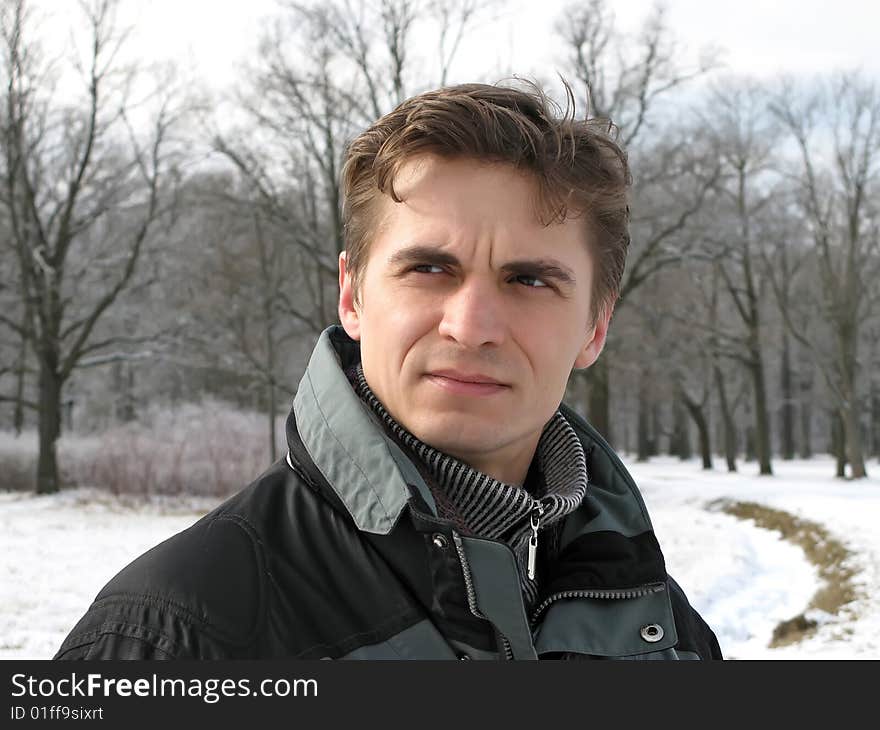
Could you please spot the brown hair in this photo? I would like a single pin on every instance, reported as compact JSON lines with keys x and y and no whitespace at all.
{"x":579,"y":168}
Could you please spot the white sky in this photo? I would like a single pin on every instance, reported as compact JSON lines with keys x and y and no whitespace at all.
{"x":760,"y":36}
{"x":210,"y":39}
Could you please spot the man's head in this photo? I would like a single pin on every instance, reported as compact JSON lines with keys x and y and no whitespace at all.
{"x":485,"y":241}
{"x":578,"y":169}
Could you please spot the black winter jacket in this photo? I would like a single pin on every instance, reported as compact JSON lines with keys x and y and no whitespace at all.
{"x":336,"y":552}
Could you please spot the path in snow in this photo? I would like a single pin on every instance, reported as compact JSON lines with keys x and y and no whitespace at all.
{"x":744,"y":579}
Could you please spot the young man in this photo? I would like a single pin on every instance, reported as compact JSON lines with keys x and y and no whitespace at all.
{"x":437,"y":501}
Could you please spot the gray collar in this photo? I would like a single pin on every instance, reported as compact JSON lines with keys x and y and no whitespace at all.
{"x":346,"y":445}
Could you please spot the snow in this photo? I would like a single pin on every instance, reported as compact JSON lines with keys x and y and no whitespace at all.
{"x":56,"y":552}
{"x":744,"y":579}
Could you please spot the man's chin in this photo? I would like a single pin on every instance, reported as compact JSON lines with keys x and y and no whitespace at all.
{"x":460,"y":440}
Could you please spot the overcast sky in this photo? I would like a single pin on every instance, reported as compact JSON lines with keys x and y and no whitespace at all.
{"x":760,"y":36}
{"x":210,"y":38}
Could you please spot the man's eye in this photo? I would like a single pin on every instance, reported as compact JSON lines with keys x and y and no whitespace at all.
{"x":428,"y":269}
{"x":530,"y":281}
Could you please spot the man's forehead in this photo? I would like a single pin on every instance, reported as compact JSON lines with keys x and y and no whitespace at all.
{"x":440,"y":196}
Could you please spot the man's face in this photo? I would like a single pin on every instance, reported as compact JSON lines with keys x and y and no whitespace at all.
{"x":472,"y":314}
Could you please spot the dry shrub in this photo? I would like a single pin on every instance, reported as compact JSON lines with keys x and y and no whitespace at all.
{"x":205,"y":449}
{"x":18,"y":459}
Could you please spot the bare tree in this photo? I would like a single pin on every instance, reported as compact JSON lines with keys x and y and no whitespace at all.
{"x":743,"y":137}
{"x":626,"y":79}
{"x":255,"y":274}
{"x":836,"y":132}
{"x":874,"y":340}
{"x":16,"y":368}
{"x":80,"y":187}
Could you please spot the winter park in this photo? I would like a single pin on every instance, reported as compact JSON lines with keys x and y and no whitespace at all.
{"x":172,"y":214}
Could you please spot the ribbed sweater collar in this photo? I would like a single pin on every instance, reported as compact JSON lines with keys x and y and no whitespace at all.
{"x":482,"y":506}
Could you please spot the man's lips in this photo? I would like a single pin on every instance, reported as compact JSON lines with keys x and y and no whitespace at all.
{"x":466,"y":377}
{"x":462,"y":383}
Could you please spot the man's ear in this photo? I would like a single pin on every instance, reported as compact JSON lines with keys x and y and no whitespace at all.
{"x":349,"y":316}
{"x":595,"y":340}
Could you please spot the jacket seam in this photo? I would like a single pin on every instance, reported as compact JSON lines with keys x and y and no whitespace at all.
{"x":115,"y":628}
{"x":153,"y":600}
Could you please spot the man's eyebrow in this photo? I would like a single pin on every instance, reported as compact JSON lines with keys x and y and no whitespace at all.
{"x":541,"y":269}
{"x":422,"y":255}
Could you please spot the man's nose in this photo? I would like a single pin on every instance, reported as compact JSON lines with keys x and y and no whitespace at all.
{"x":474,"y":315}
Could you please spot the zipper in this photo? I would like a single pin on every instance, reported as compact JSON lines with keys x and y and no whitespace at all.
{"x":472,"y":595}
{"x":535,"y":523}
{"x":468,"y":580}
{"x":505,"y":645}
{"x":601,"y":593}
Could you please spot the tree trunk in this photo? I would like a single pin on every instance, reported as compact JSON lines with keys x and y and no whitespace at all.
{"x":853,"y":440}
{"x":806,"y":387}
{"x":696,"y":414}
{"x":786,"y":420}
{"x":762,"y":418}
{"x":875,"y":419}
{"x":643,"y":445}
{"x":751,"y":449}
{"x":49,"y":425}
{"x":680,"y":442}
{"x":654,"y":441}
{"x":599,"y":401}
{"x":123,"y":379}
{"x":18,"y":413}
{"x":727,"y":420}
{"x":273,"y":415}
{"x":837,"y":444}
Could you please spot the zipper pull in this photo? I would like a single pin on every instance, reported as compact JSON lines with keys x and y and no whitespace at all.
{"x":535,"y":522}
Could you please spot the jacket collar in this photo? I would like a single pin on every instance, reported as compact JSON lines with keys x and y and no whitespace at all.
{"x":370,"y":477}
{"x":343,"y":441}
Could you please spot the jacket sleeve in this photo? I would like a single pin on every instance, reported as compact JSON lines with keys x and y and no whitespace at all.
{"x":136,"y":627}
{"x":109,"y":646}
{"x":694,"y":634}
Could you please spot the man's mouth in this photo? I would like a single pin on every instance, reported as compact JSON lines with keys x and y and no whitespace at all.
{"x":464,"y":383}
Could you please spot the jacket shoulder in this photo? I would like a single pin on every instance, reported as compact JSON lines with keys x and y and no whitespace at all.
{"x":200,"y":593}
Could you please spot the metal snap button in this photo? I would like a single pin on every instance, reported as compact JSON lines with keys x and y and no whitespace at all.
{"x":652,"y":633}
{"x":440,"y":541}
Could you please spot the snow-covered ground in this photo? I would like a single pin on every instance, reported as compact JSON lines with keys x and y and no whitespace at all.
{"x":57,"y":552}
{"x":743,"y":579}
